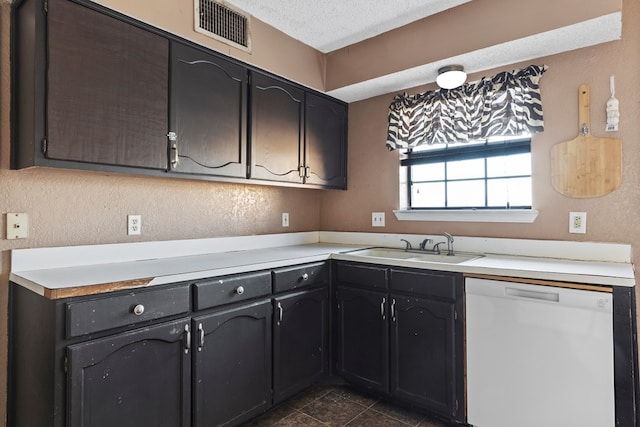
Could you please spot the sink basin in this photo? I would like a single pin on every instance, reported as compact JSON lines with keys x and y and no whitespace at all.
{"x":414,"y":256}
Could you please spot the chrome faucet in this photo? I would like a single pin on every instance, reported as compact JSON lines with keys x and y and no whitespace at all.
{"x":449,"y":244}
{"x":407,"y":243}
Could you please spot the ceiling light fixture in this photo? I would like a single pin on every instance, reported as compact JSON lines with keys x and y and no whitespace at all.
{"x":451,"y":76}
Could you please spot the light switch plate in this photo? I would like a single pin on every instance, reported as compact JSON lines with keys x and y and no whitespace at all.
{"x":17,"y":226}
{"x":377,"y":219}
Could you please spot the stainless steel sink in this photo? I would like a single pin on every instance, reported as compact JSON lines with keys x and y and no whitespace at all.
{"x":414,"y":256}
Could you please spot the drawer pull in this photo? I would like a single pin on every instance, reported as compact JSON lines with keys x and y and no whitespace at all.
{"x":138,"y":310}
{"x":305,"y":277}
{"x":240,"y":290}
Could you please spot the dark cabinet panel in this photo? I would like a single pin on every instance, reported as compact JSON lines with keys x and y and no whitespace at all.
{"x":424,"y":351}
{"x":298,"y":277}
{"x":107,"y":89}
{"x":208,"y":113}
{"x":363,"y":338}
{"x":368,"y":276}
{"x":325,"y":142}
{"x":231,"y":289}
{"x":232,"y":364}
{"x":277,"y":120}
{"x":136,"y":378}
{"x":300,"y":341}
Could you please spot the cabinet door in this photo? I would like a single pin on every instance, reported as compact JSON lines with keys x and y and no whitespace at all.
{"x":277,"y":129}
{"x":136,"y":378}
{"x":208,"y":113}
{"x":426,"y":342}
{"x":363,"y":338}
{"x":300,"y":337}
{"x":107,"y":89}
{"x":325,"y":142}
{"x":232,"y":365}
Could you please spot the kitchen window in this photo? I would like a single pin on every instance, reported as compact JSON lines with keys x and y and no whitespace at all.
{"x":494,"y":173}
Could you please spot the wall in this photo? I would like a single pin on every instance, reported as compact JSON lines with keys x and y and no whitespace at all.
{"x":76,"y":208}
{"x":610,"y":218}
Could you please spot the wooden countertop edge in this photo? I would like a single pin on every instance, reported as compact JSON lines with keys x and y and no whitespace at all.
{"x":580,"y":286}
{"x":78,"y":291}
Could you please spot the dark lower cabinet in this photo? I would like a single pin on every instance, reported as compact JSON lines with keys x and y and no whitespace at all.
{"x":363,"y":338}
{"x":300,"y":341}
{"x":407,"y":342}
{"x":232,"y":364}
{"x":424,"y":352}
{"x":136,"y":378}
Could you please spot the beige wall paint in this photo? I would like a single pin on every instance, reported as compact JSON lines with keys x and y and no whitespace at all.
{"x":373,"y":171}
{"x":73,"y":207}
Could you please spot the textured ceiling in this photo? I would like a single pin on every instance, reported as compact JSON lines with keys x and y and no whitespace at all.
{"x":327,"y":25}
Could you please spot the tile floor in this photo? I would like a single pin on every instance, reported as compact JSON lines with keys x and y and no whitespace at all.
{"x":338,"y":406}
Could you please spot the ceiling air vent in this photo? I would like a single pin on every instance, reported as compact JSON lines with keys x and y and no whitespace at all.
{"x":217,"y":20}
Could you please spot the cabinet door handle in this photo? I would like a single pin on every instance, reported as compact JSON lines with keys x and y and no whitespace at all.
{"x":187,"y":335}
{"x":393,"y":310}
{"x":382,"y":310}
{"x":307,"y":172}
{"x":173,"y":138}
{"x":280,"y":313}
{"x":201,"y":336}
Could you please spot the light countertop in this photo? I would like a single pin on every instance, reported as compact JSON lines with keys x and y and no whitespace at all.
{"x":94,"y":270}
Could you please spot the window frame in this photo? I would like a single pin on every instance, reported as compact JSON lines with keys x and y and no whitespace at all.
{"x":462,"y":151}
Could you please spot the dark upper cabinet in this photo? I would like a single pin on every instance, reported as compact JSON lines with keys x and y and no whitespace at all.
{"x":208,"y":113}
{"x":325,"y":142}
{"x":111,"y":380}
{"x":277,"y":130}
{"x":232,"y":364}
{"x":300,"y":341}
{"x":296,"y":135}
{"x":363,"y":338}
{"x":106,"y":89}
{"x":94,"y":89}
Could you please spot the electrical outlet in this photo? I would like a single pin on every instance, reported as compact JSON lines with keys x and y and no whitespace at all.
{"x":578,"y":222}
{"x":134,"y":224}
{"x":285,"y":219}
{"x":377,"y":219}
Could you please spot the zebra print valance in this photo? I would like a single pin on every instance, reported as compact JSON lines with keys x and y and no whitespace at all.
{"x":506,"y":104}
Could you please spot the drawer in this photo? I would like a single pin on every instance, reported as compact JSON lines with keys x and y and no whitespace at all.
{"x":300,"y":276}
{"x":432,"y":283}
{"x":100,"y":314}
{"x":361,"y":275}
{"x":230,"y":289}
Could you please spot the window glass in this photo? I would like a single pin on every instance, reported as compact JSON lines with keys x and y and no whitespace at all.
{"x":486,"y":174}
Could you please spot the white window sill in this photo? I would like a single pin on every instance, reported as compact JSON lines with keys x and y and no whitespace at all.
{"x":471,"y":215}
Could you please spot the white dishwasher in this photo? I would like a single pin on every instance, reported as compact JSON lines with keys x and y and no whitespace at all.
{"x":538,"y":356}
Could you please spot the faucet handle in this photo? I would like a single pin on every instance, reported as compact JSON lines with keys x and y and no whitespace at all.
{"x":423,"y":245}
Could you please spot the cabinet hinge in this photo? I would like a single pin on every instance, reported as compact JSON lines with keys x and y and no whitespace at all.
{"x":45,"y":6}
{"x":455,"y":314}
{"x":65,"y":364}
{"x":456,"y":406}
{"x":43,"y":146}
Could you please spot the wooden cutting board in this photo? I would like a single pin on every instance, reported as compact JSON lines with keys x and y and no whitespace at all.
{"x":586,"y":166}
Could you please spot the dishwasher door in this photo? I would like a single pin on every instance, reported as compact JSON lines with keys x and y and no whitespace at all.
{"x":538,"y":356}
